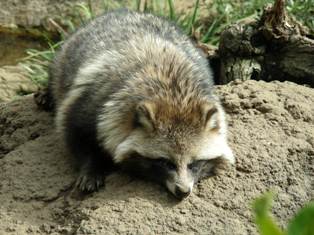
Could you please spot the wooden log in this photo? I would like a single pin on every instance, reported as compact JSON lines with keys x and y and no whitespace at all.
{"x":274,"y":47}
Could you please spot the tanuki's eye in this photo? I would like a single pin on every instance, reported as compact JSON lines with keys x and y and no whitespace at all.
{"x":191,"y":166}
{"x":166,"y":163}
{"x":194,"y":166}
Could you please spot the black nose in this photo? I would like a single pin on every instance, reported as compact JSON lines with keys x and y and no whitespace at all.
{"x":182,"y":193}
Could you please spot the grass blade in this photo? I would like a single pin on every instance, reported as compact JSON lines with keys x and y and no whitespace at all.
{"x":210,"y":31}
{"x":193,"y":18}
{"x":172,"y":13}
{"x":138,"y":5}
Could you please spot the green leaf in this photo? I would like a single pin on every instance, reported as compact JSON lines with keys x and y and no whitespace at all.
{"x":303,"y":222}
{"x":264,"y":221}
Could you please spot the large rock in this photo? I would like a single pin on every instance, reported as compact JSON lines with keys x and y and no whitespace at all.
{"x":36,"y":13}
{"x":271,"y":133}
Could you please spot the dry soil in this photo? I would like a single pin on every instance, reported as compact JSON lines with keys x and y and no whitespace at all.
{"x":271,"y":133}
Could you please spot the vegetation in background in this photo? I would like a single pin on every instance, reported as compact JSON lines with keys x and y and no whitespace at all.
{"x":204,"y":26}
{"x":37,"y":63}
{"x":301,"y":224}
{"x":303,"y":10}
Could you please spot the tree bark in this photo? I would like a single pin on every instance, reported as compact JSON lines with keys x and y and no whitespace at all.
{"x":274,"y":47}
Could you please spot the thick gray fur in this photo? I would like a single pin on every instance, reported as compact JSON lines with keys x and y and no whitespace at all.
{"x":106,"y":68}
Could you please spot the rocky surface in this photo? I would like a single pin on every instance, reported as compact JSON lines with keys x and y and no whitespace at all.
{"x":271,"y":133}
{"x":14,"y":82}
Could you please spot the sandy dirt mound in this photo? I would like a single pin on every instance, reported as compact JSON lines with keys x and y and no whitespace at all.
{"x":271,"y":132}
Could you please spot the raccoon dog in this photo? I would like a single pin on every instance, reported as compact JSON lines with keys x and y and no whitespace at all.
{"x":131,"y":91}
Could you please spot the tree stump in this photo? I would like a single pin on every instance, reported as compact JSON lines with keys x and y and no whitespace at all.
{"x":274,"y":47}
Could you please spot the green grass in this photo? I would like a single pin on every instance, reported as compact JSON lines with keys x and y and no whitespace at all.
{"x":303,"y":10}
{"x":204,"y":26}
{"x":37,"y":63}
{"x":223,"y":12}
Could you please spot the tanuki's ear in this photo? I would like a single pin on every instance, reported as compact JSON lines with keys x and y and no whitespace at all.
{"x":210,"y":116}
{"x":145,"y":115}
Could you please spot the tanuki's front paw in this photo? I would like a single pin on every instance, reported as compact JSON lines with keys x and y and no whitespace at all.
{"x":90,"y":182}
